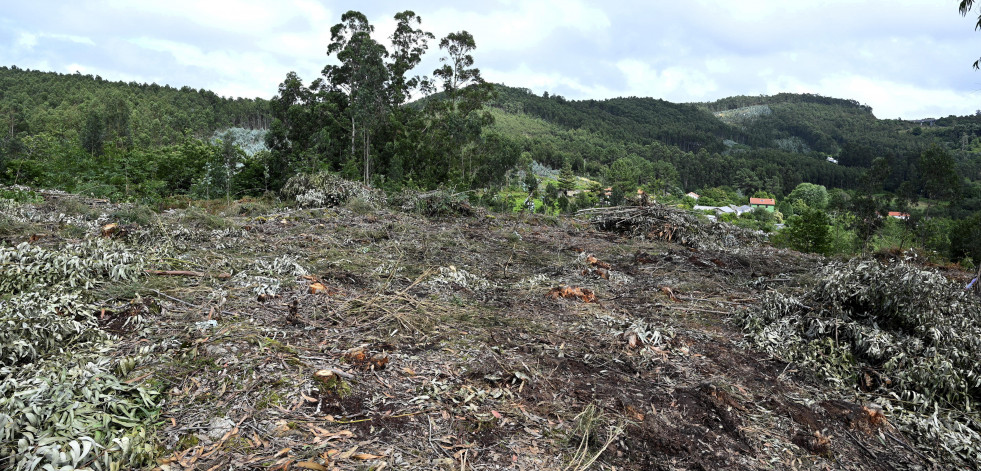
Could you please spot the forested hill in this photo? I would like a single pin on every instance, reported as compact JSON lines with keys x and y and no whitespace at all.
{"x":52,"y":123}
{"x":121,"y":140}
{"x":799,"y":123}
{"x":740,"y":141}
{"x":634,"y":120}
{"x":806,"y":122}
{"x":67,"y":106}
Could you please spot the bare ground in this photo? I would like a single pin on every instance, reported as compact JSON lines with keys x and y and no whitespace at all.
{"x":444,"y":350}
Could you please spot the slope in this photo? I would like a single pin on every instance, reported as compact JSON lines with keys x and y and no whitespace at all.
{"x":361,"y":336}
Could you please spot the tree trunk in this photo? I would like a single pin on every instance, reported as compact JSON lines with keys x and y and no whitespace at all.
{"x":353,"y":134}
{"x":367,"y":158}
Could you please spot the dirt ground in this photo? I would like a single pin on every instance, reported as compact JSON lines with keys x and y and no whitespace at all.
{"x":477,"y":342}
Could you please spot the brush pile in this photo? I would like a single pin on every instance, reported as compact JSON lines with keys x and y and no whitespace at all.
{"x":324,"y":189}
{"x":64,"y":403}
{"x":436,"y":203}
{"x":669,"y":224}
{"x":906,"y":336}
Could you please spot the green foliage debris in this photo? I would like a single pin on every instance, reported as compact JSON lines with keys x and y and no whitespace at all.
{"x":907,"y":336}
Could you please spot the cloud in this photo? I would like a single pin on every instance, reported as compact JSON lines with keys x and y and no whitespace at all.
{"x":643,"y":80}
{"x":26,"y":41}
{"x":518,"y":25}
{"x":910,"y":58}
{"x":889,"y":99}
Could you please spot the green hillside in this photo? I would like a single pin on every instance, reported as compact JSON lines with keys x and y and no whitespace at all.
{"x":120,"y":140}
{"x":33,"y":103}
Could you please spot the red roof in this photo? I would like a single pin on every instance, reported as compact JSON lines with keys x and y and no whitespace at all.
{"x":897,"y":214}
{"x":763,"y":201}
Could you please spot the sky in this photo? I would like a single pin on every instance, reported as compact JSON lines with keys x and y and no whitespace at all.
{"x":905,"y":58}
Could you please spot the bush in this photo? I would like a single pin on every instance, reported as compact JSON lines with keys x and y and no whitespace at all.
{"x":808,"y":232}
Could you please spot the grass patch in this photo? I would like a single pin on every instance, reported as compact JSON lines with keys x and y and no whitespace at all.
{"x":200,"y":217}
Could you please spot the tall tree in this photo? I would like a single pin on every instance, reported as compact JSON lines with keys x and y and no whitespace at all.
{"x":362,"y":75}
{"x":92,"y":137}
{"x":868,"y":206}
{"x":938,"y":174}
{"x":408,"y":46}
{"x":465,"y":92}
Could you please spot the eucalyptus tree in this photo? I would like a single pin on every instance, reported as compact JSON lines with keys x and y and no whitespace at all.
{"x":965,"y":6}
{"x":465,"y":93}
{"x":362,"y":75}
{"x":409,"y":43}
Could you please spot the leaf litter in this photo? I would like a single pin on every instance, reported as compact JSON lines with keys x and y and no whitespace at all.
{"x":423,"y":339}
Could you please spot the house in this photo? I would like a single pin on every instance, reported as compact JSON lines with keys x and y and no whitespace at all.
{"x":833,"y":160}
{"x":766,"y":203}
{"x":898,"y":215}
{"x":693,"y":195}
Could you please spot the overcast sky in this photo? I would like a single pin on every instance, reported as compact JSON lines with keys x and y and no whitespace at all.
{"x":905,"y":58}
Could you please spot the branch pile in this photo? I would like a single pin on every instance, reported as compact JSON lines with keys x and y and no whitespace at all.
{"x":63,"y":402}
{"x":325,"y":189}
{"x":660,"y":222}
{"x":436,"y":203}
{"x":908,"y":336}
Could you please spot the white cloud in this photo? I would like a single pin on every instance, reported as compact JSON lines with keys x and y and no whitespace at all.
{"x":524,"y":76}
{"x":74,"y":67}
{"x":70,"y":38}
{"x":519,"y":25}
{"x":26,"y":41}
{"x":672,"y":83}
{"x":241,"y":16}
{"x":248,"y":74}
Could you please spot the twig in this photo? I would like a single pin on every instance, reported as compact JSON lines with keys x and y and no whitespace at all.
{"x":864,"y":448}
{"x":136,"y":380}
{"x":187,"y":303}
{"x":893,"y":437}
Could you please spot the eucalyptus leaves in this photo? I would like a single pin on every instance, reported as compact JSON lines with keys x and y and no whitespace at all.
{"x":908,"y":336}
{"x":62,"y":405}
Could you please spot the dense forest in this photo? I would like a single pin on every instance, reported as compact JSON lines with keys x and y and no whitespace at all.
{"x":120,"y":140}
{"x":373,"y":117}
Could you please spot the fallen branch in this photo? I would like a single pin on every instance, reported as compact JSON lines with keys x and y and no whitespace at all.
{"x":178,"y":300}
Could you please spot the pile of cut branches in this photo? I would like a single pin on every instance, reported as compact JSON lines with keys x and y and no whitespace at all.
{"x":64,"y":404}
{"x":436,"y":203}
{"x":326,"y":189}
{"x":660,"y":222}
{"x":906,"y":336}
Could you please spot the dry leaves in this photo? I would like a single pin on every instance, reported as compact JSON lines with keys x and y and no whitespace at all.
{"x":569,"y":292}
